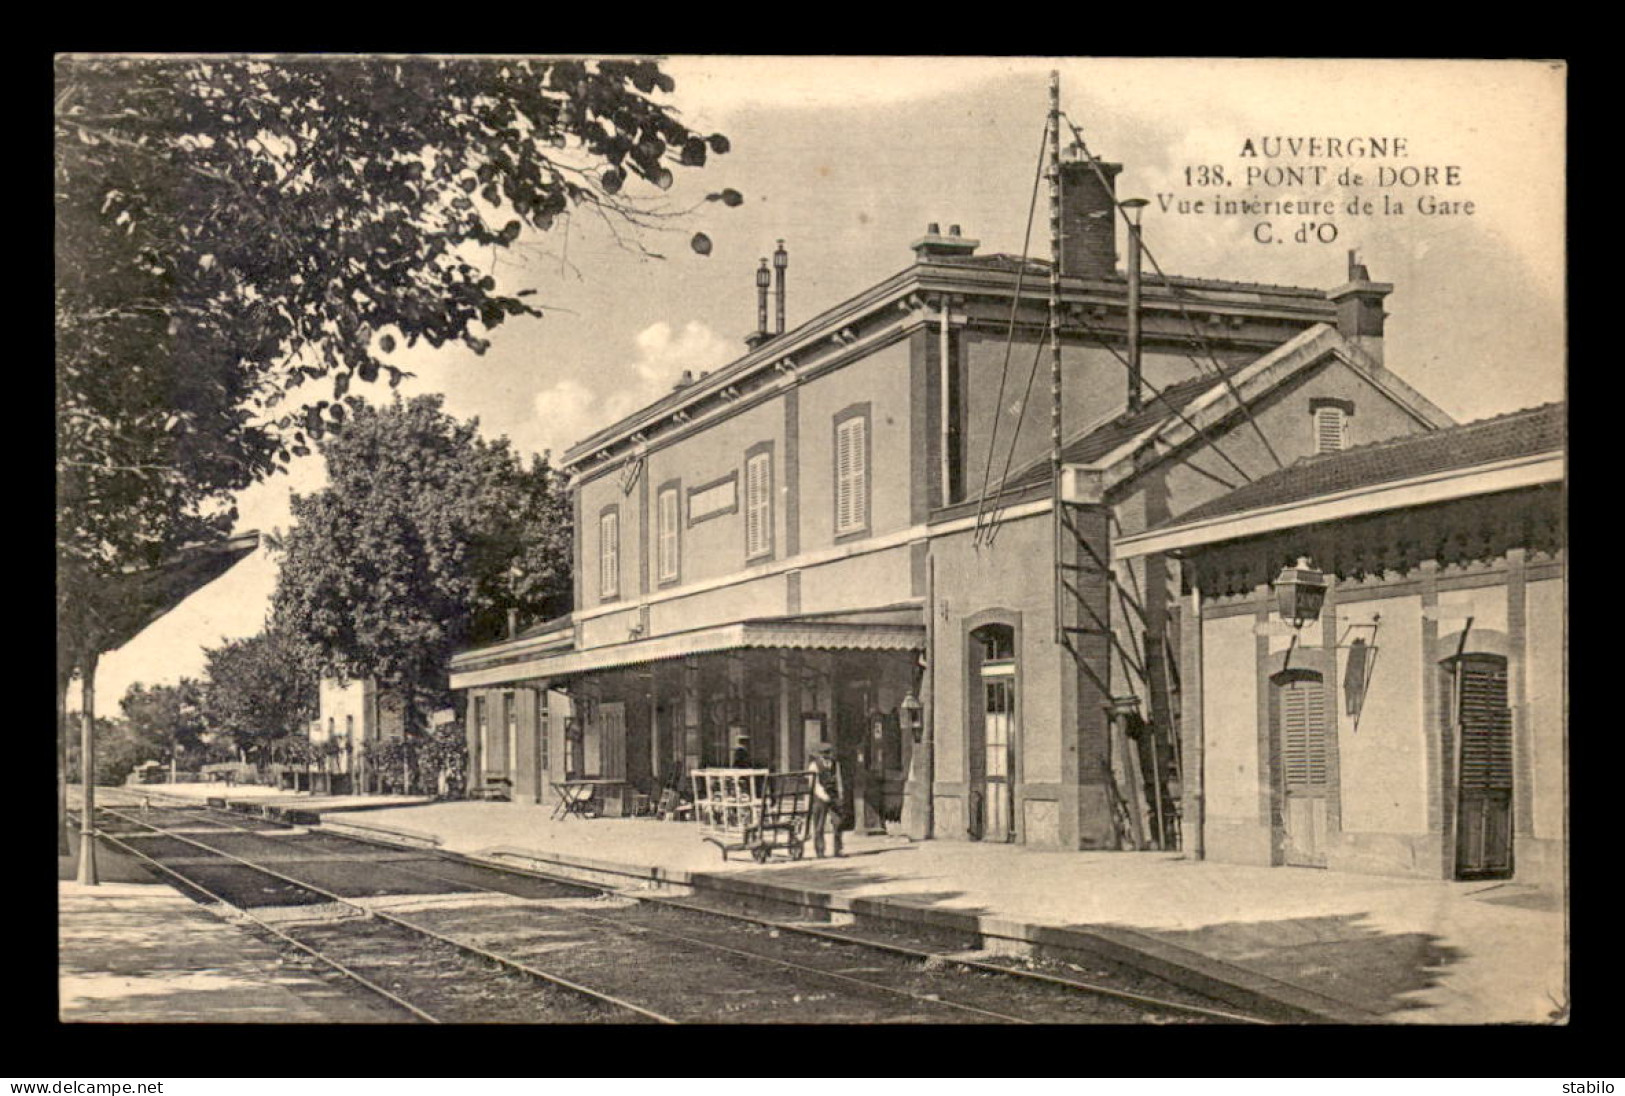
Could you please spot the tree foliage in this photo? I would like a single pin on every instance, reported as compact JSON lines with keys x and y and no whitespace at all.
{"x":118,"y":751}
{"x":258,"y":690}
{"x":425,"y":538}
{"x":170,"y":718}
{"x":231,"y":231}
{"x":228,"y":231}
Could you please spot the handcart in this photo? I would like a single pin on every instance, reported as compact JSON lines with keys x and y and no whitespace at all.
{"x":753,"y":810}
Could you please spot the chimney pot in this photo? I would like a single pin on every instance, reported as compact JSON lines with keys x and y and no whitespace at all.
{"x":935,"y":245}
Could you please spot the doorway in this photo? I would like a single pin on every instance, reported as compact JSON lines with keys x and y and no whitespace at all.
{"x":1483,"y":733}
{"x":1298,"y":699}
{"x":994,"y":732}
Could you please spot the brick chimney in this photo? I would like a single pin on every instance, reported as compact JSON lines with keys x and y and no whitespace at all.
{"x":1088,"y":217}
{"x":934,"y":244}
{"x":1359,"y":308}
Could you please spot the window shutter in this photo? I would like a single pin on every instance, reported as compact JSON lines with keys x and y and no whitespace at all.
{"x":1486,"y":729}
{"x":609,"y":554}
{"x":851,"y":475}
{"x":860,"y":472}
{"x":1303,"y":733}
{"x":668,"y":534}
{"x":758,"y":500}
{"x":1329,"y":430}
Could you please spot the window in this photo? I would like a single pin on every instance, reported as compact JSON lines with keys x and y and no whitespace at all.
{"x":609,"y":553}
{"x":480,"y":735}
{"x":758,"y":503}
{"x":1331,"y":423}
{"x":668,"y":524}
{"x":852,"y":471}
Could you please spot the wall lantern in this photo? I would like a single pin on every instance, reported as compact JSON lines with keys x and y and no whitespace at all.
{"x":1300,"y":591}
{"x":909,"y":713}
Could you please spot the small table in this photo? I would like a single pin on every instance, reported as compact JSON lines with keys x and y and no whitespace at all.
{"x":575,"y":796}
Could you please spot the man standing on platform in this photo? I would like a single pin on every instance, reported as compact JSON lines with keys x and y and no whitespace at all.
{"x":826,"y":804}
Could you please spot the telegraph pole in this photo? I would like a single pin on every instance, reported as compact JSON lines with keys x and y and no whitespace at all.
{"x":1055,"y":336}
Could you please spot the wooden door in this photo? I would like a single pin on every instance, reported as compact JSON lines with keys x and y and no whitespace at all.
{"x":1484,"y":787}
{"x":1300,"y":710}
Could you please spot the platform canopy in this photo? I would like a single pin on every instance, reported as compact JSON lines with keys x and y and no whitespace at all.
{"x":141,"y":597}
{"x":785,"y":633}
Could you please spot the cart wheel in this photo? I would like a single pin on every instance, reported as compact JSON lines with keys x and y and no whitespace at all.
{"x":797,"y":849}
{"x":761,"y":853}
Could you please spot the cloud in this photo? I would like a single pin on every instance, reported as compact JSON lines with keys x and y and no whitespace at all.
{"x":570,"y":410}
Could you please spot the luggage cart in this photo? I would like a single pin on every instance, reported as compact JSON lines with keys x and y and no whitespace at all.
{"x":753,"y":810}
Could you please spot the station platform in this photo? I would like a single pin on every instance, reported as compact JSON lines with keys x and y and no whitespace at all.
{"x":134,"y":950}
{"x":1339,"y":947}
{"x":259,"y":793}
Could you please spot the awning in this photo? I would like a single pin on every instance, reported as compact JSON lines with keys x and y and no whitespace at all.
{"x":788,"y":634}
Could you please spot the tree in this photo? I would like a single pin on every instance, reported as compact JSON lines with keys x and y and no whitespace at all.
{"x":426,"y":536}
{"x":170,"y":717}
{"x":230,"y":230}
{"x":257,"y":691}
{"x":119,"y":749}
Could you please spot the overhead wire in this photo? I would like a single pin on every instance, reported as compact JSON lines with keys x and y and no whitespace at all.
{"x":1094,"y":163}
{"x":1009,"y":342}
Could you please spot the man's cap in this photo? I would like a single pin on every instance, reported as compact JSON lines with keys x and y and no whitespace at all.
{"x":823,"y":749}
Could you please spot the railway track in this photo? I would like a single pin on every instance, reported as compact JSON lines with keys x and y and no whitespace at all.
{"x":592,"y":955}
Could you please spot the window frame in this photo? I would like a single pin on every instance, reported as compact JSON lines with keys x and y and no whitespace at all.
{"x":762,"y":451}
{"x":609,"y":580}
{"x":864,"y":523}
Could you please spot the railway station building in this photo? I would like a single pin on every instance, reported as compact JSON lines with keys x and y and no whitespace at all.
{"x":1417,"y":724}
{"x":852,"y":534}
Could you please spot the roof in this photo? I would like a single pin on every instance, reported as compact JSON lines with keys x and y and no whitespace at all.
{"x":1505,"y":437}
{"x":141,"y":597}
{"x":1013,"y":263}
{"x":902,"y":632}
{"x":807,"y":337}
{"x":1104,"y":438}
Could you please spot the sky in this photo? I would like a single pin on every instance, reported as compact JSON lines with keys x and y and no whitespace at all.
{"x":848,"y":159}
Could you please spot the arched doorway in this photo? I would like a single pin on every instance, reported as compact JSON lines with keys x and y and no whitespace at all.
{"x":1477,"y":713}
{"x":993,"y":733}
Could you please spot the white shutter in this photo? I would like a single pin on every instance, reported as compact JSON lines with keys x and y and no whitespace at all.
{"x":1329,"y":430}
{"x":860,"y":473}
{"x":758,"y":504}
{"x":668,"y":534}
{"x":851,"y":475}
{"x":609,"y":554}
